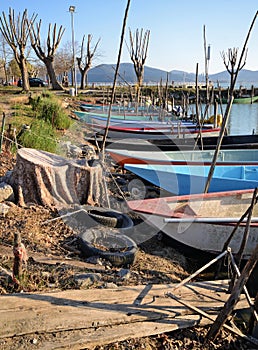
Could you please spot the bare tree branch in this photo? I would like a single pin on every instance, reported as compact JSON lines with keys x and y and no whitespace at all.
{"x":16,"y":33}
{"x":85,"y":60}
{"x":138,"y":53}
{"x":47,"y":55}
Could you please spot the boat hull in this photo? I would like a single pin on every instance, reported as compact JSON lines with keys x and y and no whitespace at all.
{"x":117,"y":132}
{"x":218,"y":214}
{"x":182,"y":180}
{"x":242,"y":100}
{"x":183,"y":144}
{"x":197,"y":157}
{"x":206,"y":236}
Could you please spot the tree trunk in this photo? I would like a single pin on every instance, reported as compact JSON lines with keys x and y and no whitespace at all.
{"x":52,"y":76}
{"x":83,"y":75}
{"x":25,"y":75}
{"x":48,"y":179}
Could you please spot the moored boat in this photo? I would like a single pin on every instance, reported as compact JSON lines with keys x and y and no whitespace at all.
{"x":243,"y":99}
{"x":88,"y":116}
{"x":202,"y":221}
{"x":196,"y":157}
{"x":117,"y":132}
{"x":183,"y":144}
{"x":183,"y":179}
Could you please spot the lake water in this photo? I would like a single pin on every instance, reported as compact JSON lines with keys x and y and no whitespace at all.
{"x":243,"y":119}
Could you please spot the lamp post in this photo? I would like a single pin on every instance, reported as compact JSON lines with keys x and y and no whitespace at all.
{"x":72,"y":10}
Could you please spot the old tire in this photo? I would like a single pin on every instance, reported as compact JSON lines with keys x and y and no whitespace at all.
{"x":123,"y":254}
{"x":110,"y":218}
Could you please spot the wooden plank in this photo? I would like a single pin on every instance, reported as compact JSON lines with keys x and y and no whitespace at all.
{"x":107,"y":309}
{"x":116,"y":333}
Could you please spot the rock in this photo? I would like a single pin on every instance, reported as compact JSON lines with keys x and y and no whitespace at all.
{"x":124,"y":274}
{"x":88,"y":152}
{"x":6,"y":192}
{"x":110,"y":285}
{"x":87,"y":279}
{"x":4,"y":209}
{"x":94,"y":260}
{"x":7,"y":176}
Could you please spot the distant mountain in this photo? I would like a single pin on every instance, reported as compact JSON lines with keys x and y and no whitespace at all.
{"x":104,"y":73}
{"x":243,"y":76}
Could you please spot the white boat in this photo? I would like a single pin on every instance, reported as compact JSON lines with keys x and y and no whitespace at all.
{"x":202,"y":221}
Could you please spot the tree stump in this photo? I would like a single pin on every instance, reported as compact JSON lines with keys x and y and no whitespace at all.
{"x":48,"y":179}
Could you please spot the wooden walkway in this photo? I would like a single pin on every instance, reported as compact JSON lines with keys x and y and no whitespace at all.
{"x":85,"y":318}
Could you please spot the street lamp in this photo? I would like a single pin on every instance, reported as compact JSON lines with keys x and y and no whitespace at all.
{"x":72,"y":10}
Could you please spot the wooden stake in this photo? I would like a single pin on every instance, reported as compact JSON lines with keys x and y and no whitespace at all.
{"x":17,"y":264}
{"x":209,"y":317}
{"x":233,"y":299}
{"x":2,"y":132}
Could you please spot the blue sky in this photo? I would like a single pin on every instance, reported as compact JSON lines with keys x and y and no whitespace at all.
{"x":176,"y":28}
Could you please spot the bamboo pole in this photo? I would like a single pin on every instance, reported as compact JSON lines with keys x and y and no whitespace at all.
{"x":226,"y":244}
{"x":206,"y":59}
{"x":115,"y":78}
{"x":248,"y":298}
{"x":197,"y":108}
{"x":244,"y":238}
{"x":113,"y":94}
{"x":187,"y":279}
{"x":247,"y":228}
{"x":228,"y":108}
{"x":211,"y":318}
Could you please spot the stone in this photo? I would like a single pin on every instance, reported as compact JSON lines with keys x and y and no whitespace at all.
{"x":86,"y":279}
{"x":6,"y":192}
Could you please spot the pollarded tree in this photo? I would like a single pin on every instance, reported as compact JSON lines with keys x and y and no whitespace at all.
{"x":16,"y":32}
{"x":47,"y":55}
{"x":85,"y":59}
{"x":138,"y":52}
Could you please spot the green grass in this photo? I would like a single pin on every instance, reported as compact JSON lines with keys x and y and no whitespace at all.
{"x":42,"y":111}
{"x":48,"y":108}
{"x":41,"y":135}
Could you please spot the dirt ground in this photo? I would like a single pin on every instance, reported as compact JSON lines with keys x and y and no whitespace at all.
{"x":46,"y":241}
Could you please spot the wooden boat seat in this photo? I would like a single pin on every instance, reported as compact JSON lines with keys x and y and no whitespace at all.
{"x":184,"y":208}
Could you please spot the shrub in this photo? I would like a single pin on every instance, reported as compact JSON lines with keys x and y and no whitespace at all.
{"x":48,"y":108}
{"x":41,"y":135}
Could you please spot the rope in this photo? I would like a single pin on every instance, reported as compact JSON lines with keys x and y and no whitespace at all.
{"x":119,"y":189}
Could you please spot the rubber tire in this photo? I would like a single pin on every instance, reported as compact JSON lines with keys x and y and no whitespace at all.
{"x":119,"y":258}
{"x":110,"y":218}
{"x":105,"y":218}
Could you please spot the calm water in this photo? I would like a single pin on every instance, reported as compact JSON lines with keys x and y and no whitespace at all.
{"x":243,"y":119}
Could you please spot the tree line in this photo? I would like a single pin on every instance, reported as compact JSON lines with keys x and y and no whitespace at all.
{"x":20,"y":37}
{"x":21,"y":34}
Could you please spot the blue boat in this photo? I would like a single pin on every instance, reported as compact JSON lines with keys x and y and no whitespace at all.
{"x":183,"y":180}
